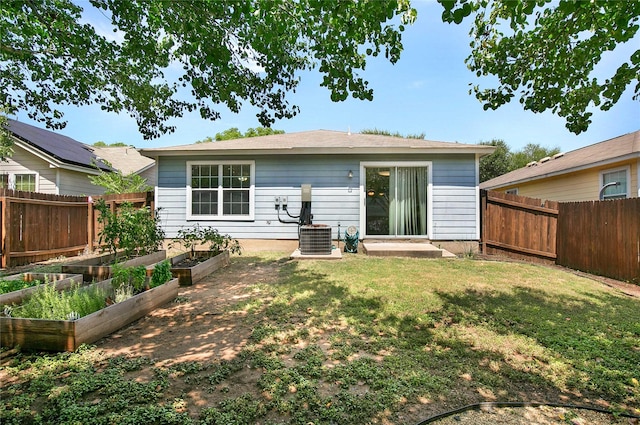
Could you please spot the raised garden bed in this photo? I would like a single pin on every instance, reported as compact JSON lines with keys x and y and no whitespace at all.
{"x":68,"y":335}
{"x":191,"y":267}
{"x":99,"y":268}
{"x":62,"y":281}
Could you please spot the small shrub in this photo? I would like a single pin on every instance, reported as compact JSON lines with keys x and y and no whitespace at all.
{"x":47,"y":303}
{"x":135,"y":276}
{"x":215,"y":242}
{"x":161,"y":273}
{"x":7,"y":286}
{"x":135,"y":231}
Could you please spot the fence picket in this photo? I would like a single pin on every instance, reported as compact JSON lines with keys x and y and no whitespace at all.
{"x":36,"y":226}
{"x":599,"y":237}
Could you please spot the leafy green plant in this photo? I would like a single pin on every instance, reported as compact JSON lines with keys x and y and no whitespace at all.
{"x":117,"y":182}
{"x":48,"y":303}
{"x":134,"y":276}
{"x":161,"y":273}
{"x":7,"y":285}
{"x":196,"y":235}
{"x":135,"y":231}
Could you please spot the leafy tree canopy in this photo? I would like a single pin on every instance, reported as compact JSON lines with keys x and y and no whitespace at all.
{"x":393,"y":134}
{"x":101,"y":144}
{"x":116,"y":182}
{"x":545,"y":52}
{"x":531,"y":152}
{"x":496,"y":164}
{"x":6,"y":144}
{"x":226,"y":53}
{"x":233,"y":133}
{"x":503,"y":160}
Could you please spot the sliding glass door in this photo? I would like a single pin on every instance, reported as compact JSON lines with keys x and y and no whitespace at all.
{"x":396,"y":200}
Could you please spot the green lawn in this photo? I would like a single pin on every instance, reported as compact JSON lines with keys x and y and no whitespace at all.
{"x":367,"y":340}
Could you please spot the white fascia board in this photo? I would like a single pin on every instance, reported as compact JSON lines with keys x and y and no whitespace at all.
{"x":315,"y":151}
{"x":568,"y":170}
{"x":53,"y":162}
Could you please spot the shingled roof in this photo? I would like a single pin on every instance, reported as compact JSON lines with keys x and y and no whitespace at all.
{"x":127,"y":159}
{"x":318,"y":142}
{"x":56,"y":147}
{"x":607,"y":152}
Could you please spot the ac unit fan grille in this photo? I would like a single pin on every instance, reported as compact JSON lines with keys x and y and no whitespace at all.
{"x":315,"y":239}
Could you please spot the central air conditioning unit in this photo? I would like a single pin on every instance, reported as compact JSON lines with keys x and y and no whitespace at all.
{"x":315,"y":239}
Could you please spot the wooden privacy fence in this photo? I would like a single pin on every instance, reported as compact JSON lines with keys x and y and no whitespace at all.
{"x":599,"y":237}
{"x":517,"y":226}
{"x":36,"y":226}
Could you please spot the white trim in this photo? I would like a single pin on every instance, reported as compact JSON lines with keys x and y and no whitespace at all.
{"x":512,"y":191}
{"x":316,"y":150}
{"x":252,"y":204}
{"x":638,"y":181}
{"x":477,"y":182}
{"x":625,"y":168}
{"x":54,"y":163}
{"x":11,"y":180}
{"x":564,"y":171}
{"x":363,"y":196}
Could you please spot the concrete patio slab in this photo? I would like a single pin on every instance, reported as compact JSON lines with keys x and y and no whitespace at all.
{"x":405,"y":249}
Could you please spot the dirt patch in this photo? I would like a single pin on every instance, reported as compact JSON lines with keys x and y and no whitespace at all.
{"x":202,"y":326}
{"x":198,"y":326}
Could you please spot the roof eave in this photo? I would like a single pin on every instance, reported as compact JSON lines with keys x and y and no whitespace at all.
{"x":154,"y":153}
{"x":53,"y":161}
{"x":566,"y":171}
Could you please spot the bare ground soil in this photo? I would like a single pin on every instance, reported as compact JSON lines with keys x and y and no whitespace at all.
{"x":203,"y":327}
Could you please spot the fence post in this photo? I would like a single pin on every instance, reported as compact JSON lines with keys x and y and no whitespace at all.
{"x":90,"y":223}
{"x":6,"y":232}
{"x":483,"y":217}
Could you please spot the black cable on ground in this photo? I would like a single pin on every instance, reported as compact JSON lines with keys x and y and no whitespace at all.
{"x":499,"y":404}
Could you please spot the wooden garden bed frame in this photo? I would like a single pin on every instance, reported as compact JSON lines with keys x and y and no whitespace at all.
{"x":68,"y":335}
{"x":62,"y":281}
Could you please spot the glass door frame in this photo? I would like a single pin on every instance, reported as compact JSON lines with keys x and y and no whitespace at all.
{"x":363,"y":196}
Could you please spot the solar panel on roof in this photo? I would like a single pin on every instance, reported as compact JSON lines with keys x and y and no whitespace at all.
{"x":58,"y":146}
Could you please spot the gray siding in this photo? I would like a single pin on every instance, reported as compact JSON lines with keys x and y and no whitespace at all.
{"x":335,"y":197}
{"x":22,"y":162}
{"x":70,"y":182}
{"x":77,"y":183}
{"x":454,"y":198}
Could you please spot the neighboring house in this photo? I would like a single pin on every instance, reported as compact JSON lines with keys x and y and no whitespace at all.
{"x":128,"y":160}
{"x":47,"y":162}
{"x":388,"y":187}
{"x":579,"y":175}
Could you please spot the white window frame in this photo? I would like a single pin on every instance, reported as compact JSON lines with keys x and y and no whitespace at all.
{"x":512,"y":191}
{"x":222,"y":217}
{"x":363,"y":195}
{"x":627,"y":171}
{"x":12,"y":179}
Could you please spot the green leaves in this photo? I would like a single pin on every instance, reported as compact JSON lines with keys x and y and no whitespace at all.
{"x":549,"y":57}
{"x":224,"y":53}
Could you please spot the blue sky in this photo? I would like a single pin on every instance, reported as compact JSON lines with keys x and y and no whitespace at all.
{"x":425,"y":92}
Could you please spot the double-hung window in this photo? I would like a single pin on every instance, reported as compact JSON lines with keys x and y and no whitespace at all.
{"x":220,"y":190}
{"x":619,"y":183}
{"x":26,"y":182}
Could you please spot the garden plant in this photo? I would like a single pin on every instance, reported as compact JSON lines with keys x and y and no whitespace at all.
{"x":192,"y":237}
{"x":363,"y":340}
{"x":134,"y":231}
